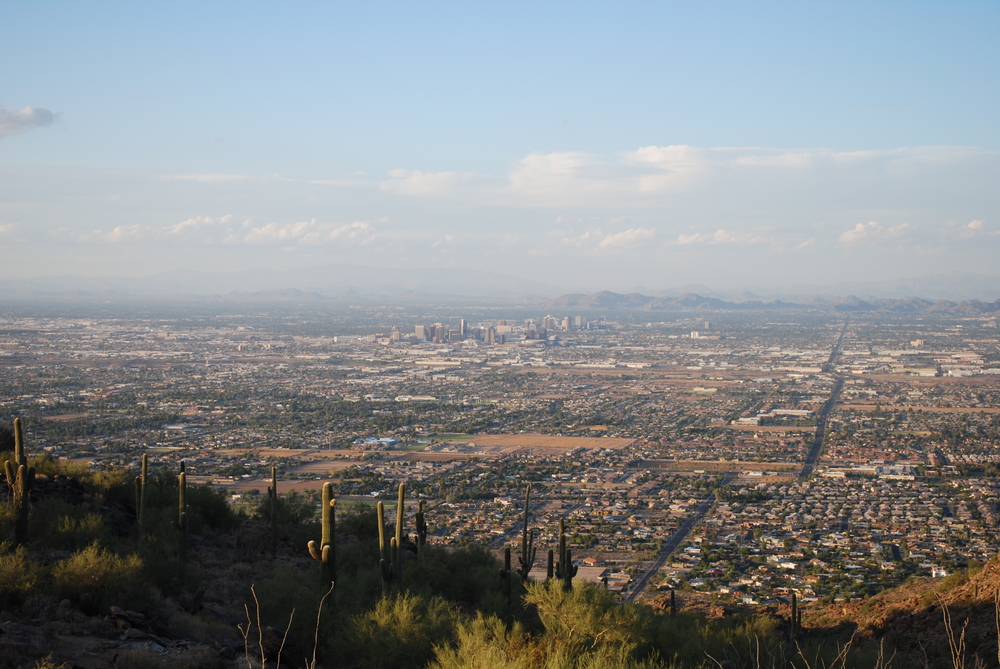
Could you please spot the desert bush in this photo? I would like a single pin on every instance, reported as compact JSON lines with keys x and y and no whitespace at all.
{"x":106,"y":577}
{"x":587,"y":617}
{"x":401,"y":631}
{"x":61,"y":526}
{"x":19,"y":576}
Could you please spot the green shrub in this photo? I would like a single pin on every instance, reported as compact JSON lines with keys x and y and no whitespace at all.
{"x":19,"y":576}
{"x":62,"y":526}
{"x":402,"y":631}
{"x":106,"y":577}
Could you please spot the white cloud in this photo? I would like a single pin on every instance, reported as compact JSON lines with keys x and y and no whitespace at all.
{"x":303,"y":233}
{"x":120,"y":233}
{"x":873,"y":232}
{"x":9,"y":229}
{"x":967,"y":231}
{"x":426,"y":184}
{"x":194,"y":224}
{"x":625,"y":238}
{"x":720,"y":236}
{"x":16,"y":121}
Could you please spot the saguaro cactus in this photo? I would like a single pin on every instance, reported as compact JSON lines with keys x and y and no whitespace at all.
{"x":20,"y":478}
{"x":550,"y":567}
{"x":140,"y":495}
{"x":181,"y":524}
{"x":793,"y":623}
{"x":505,"y":573}
{"x":527,"y":557}
{"x":325,"y":551}
{"x":421,"y":529}
{"x":564,"y":568}
{"x":272,"y":498}
{"x":391,"y":561}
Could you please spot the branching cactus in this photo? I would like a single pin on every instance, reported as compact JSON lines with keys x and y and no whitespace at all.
{"x":181,"y":524}
{"x":421,"y":529}
{"x":326,"y":551}
{"x":527,"y":558}
{"x":391,"y":560}
{"x":20,"y":478}
{"x":564,"y":568}
{"x":272,"y":498}
{"x":140,"y":495}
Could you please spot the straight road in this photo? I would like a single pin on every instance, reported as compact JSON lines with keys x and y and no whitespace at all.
{"x":674,"y":541}
{"x":813,"y":456}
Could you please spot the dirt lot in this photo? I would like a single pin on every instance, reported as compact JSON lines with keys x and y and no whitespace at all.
{"x":542,"y":441}
{"x":898,"y":407}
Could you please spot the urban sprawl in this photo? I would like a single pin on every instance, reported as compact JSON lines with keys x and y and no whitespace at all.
{"x":736,"y":457}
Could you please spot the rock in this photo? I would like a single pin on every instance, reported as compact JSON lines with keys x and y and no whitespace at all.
{"x":148,"y":646}
{"x":18,"y":639}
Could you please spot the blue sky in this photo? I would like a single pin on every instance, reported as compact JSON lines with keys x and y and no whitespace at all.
{"x":590,"y":145}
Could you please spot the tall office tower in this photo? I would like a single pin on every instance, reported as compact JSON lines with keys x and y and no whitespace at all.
{"x":578,"y":322}
{"x":502,"y":321}
{"x":708,"y":325}
{"x":420,"y":332}
{"x":549,"y":323}
{"x":440,"y":333}
{"x":395,"y":335}
{"x":566,"y":323}
{"x":491,"y":335}
{"x":462,"y":328}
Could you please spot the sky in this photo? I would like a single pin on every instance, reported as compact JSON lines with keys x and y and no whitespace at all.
{"x":586,"y":145}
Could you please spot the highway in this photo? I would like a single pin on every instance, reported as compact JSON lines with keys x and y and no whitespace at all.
{"x":817,"y":446}
{"x":674,"y":541}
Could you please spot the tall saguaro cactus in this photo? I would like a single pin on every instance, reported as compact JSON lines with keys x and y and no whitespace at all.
{"x":272,"y":497}
{"x":421,"y":524}
{"x":391,"y":560}
{"x":325,"y":551}
{"x":181,"y":524}
{"x":528,"y":550}
{"x":564,"y":568}
{"x":794,"y":621}
{"x":20,"y":478}
{"x":140,"y":495}
{"x":505,"y":573}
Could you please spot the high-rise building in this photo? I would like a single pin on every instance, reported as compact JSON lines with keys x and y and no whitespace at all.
{"x":565,"y":323}
{"x":491,"y":335}
{"x":462,"y":328}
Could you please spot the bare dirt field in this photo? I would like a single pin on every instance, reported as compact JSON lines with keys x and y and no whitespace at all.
{"x":283,"y":486}
{"x":321,"y":466}
{"x":719,"y":466}
{"x":983,"y":380}
{"x":771,"y":428}
{"x":66,"y":416}
{"x":898,"y":407}
{"x":513,"y":442}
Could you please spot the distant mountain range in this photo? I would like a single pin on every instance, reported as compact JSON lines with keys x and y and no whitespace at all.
{"x":606,"y":300}
{"x":352,"y":284}
{"x":957,"y":293}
